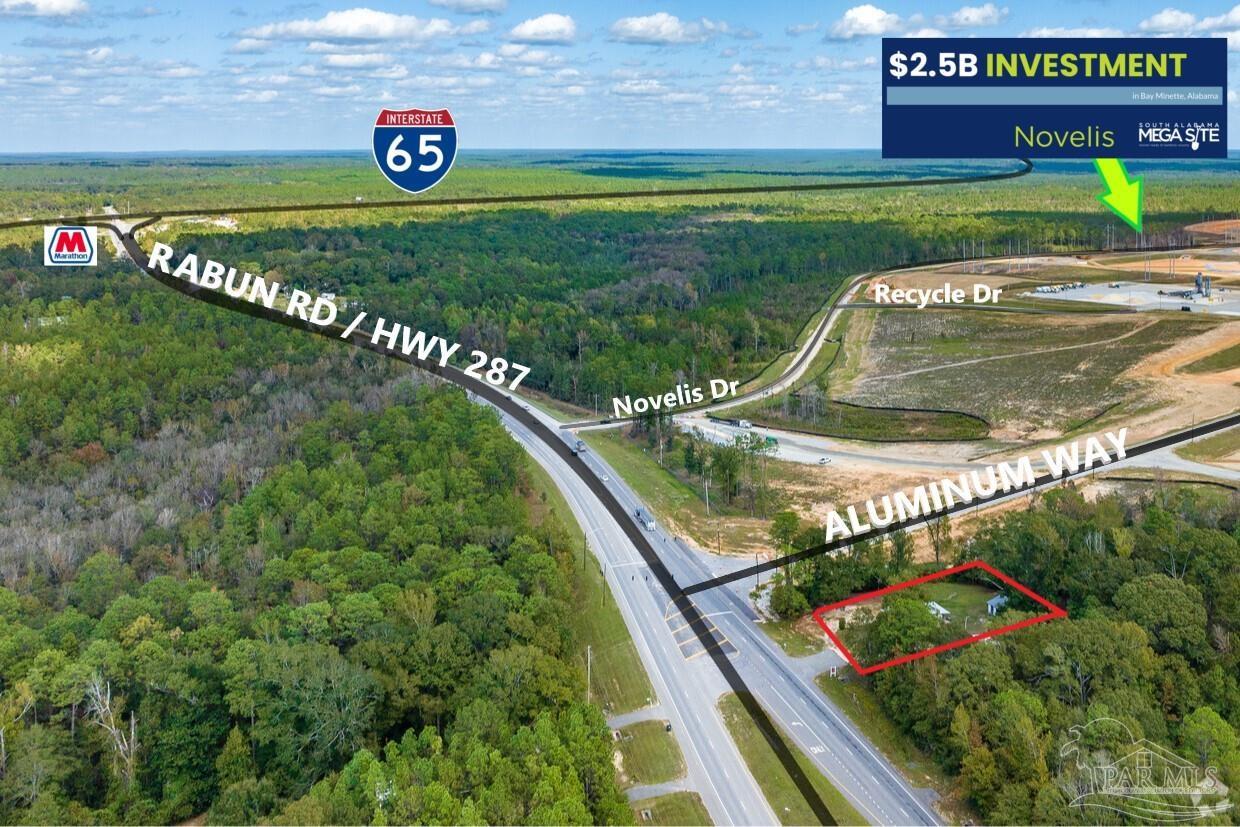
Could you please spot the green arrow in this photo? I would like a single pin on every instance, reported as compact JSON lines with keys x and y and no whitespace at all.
{"x":1124,"y":195}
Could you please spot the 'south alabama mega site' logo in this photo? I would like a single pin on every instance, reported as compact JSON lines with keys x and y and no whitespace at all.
{"x":1194,"y":135}
{"x":1107,"y":770}
{"x":414,"y":148}
{"x":70,"y":246}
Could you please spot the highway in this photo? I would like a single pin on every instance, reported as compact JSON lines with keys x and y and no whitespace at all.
{"x":686,"y":689}
{"x":783,"y":685}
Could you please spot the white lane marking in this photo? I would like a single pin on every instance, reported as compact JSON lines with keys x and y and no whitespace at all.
{"x":575,"y":503}
{"x":859,"y":739}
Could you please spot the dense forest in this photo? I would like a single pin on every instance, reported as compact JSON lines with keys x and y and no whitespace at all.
{"x":379,"y":634}
{"x":254,"y":576}
{"x":1152,"y":589}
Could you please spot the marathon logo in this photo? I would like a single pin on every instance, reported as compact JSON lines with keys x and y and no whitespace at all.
{"x":70,"y":246}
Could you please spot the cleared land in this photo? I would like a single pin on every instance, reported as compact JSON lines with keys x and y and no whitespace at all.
{"x":787,"y":802}
{"x":1030,"y":376}
{"x":798,"y":638}
{"x":1225,"y":359}
{"x":671,"y":810}
{"x":1221,"y":448}
{"x":647,"y":754}
{"x":729,"y":529}
{"x":808,"y":406}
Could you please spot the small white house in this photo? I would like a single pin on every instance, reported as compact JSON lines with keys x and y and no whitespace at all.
{"x":994,"y":604}
{"x":938,"y":611}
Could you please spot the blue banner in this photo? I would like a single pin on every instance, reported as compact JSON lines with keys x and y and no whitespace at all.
{"x":1054,"y":98}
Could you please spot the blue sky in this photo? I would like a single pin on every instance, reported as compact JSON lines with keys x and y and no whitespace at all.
{"x":94,"y":75}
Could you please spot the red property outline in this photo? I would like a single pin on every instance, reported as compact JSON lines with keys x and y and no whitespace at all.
{"x":1054,"y":612}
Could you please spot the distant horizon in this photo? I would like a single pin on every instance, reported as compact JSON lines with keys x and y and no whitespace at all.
{"x":75,"y":73}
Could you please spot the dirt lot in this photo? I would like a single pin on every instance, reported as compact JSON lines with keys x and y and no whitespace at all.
{"x":930,"y":279}
{"x":1186,"y":397}
{"x":1215,"y":227}
{"x":1181,"y":268}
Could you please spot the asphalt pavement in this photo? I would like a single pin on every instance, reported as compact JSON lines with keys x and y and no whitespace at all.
{"x":815,"y":726}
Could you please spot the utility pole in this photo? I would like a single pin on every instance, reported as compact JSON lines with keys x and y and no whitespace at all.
{"x":589,"y":660}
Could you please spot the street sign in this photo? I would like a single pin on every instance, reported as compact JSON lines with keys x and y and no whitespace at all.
{"x":414,"y":148}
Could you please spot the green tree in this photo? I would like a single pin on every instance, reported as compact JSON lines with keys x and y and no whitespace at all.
{"x":235,"y":762}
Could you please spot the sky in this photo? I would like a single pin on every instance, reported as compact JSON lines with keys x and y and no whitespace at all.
{"x":96,"y":76}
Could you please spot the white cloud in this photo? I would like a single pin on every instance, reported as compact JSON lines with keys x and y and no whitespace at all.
{"x":1227,"y":20}
{"x":865,"y":21}
{"x":825,"y":63}
{"x":969,"y":17}
{"x":43,"y":8}
{"x":447,"y":81}
{"x":393,"y":72}
{"x":798,"y":29}
{"x":356,"y":24}
{"x":825,"y":97}
{"x":638,"y":88}
{"x":869,"y":20}
{"x":749,"y":90}
{"x":661,"y":29}
{"x":483,"y":61}
{"x":255,"y":96}
{"x":520,"y":53}
{"x":1084,"y":31}
{"x":1168,"y":20}
{"x":110,"y":100}
{"x":337,"y":91}
{"x":176,"y":71}
{"x":1232,"y":97}
{"x":684,"y":97}
{"x":99,"y":54}
{"x":356,"y":61}
{"x":266,"y":80}
{"x":548,"y":29}
{"x":251,"y":46}
{"x":472,"y":6}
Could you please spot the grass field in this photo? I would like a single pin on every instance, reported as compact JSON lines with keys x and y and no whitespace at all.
{"x":682,"y":508}
{"x":794,"y":641}
{"x":671,"y":500}
{"x":1038,"y":387}
{"x":961,"y":599}
{"x":1212,"y":448}
{"x":783,"y":796}
{"x":618,"y":680}
{"x":835,"y":364}
{"x":672,"y":810}
{"x":853,"y":422}
{"x":1216,"y":362}
{"x":856,"y":701}
{"x":650,"y":754}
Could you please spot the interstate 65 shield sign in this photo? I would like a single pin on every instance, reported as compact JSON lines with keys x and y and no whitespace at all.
{"x":414,"y":148}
